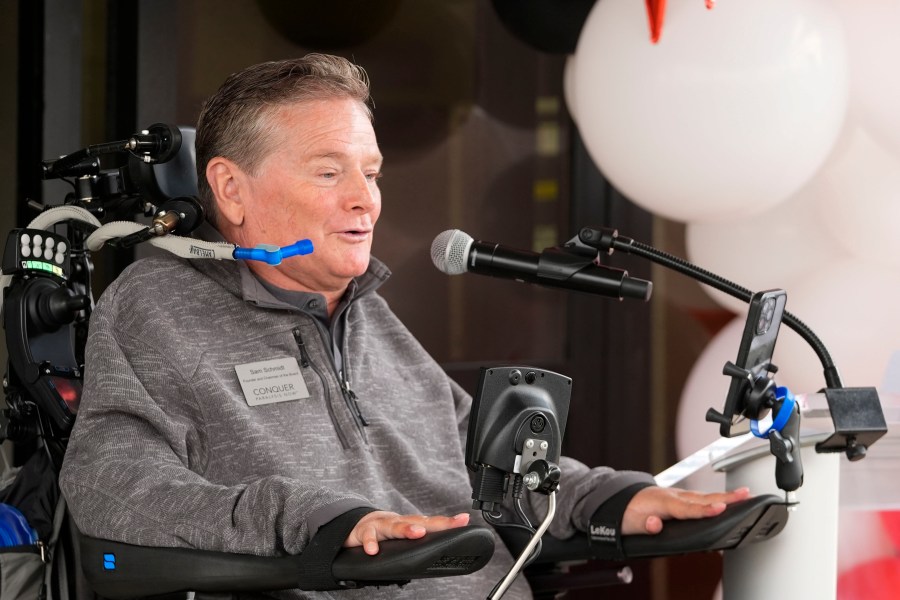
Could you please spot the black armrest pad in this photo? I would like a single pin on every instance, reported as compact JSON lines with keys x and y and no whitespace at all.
{"x":746,"y":522}
{"x":440,"y":554}
{"x":752,"y":520}
{"x":120,"y":571}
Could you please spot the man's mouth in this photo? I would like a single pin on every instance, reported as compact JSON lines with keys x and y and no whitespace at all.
{"x":356,"y":233}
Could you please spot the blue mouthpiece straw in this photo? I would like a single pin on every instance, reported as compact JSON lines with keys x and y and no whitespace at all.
{"x":273,"y":255}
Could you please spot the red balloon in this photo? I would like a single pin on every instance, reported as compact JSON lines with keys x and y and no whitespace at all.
{"x":891,"y":521}
{"x":878,"y":579}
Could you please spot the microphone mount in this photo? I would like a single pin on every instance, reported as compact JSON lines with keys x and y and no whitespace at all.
{"x":560,"y":264}
{"x":156,"y":165}
{"x":156,"y":144}
{"x":856,"y":412}
{"x":455,"y":252}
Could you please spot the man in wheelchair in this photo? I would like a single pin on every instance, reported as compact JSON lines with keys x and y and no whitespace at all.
{"x":253,"y":408}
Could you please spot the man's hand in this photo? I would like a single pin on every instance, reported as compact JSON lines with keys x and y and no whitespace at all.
{"x":650,"y":506}
{"x":380,"y":525}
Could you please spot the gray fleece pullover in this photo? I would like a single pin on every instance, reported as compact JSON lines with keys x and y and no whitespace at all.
{"x":167,"y":451}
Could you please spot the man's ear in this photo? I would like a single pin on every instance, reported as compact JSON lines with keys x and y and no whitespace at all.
{"x":229,"y":186}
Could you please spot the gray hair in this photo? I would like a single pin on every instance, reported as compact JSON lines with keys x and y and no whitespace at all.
{"x":236,"y":122}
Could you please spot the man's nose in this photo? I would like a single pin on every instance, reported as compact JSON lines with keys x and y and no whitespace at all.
{"x":363,"y":193}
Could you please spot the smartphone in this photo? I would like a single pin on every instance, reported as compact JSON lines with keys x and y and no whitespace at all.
{"x":754,"y":356}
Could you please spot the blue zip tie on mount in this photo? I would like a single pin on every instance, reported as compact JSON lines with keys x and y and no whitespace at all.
{"x":781,"y":418}
{"x":273,"y":255}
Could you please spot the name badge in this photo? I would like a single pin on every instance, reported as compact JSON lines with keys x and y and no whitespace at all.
{"x":270,"y":381}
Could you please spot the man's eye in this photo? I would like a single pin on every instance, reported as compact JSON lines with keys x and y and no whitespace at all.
{"x":329,"y":175}
{"x":374,"y":176}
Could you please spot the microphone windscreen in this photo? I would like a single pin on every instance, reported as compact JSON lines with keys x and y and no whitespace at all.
{"x":450,"y":250}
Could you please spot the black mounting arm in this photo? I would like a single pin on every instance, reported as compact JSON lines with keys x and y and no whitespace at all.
{"x":856,"y":412}
{"x":156,"y":144}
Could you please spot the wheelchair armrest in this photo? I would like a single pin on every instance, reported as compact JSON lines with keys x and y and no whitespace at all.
{"x":746,"y":522}
{"x":119,"y":571}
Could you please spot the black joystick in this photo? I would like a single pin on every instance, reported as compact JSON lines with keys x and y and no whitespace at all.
{"x":51,"y":305}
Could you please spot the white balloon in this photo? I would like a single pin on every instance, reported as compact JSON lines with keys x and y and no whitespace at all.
{"x":705,"y":388}
{"x":872,"y":48}
{"x":769,"y":250}
{"x":731,"y":113}
{"x":859,"y":192}
{"x":852,"y":307}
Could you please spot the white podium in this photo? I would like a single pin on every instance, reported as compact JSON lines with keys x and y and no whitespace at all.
{"x":802,"y":561}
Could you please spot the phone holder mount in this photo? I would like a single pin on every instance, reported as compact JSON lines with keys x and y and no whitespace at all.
{"x":515,"y":435}
{"x":773,"y":414}
{"x":758,"y":392}
{"x":856,"y":413}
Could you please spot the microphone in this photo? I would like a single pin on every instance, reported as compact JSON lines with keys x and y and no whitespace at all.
{"x":455,"y":252}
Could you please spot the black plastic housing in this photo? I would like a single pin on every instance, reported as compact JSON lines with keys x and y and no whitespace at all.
{"x":508,"y":399}
{"x":858,"y":421}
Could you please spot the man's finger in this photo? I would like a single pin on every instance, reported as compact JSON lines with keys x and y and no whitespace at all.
{"x":697,"y":510}
{"x":400,"y":525}
{"x":653,"y":525}
{"x":432,"y":524}
{"x":391,"y":526}
{"x":369,"y":539}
